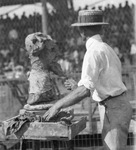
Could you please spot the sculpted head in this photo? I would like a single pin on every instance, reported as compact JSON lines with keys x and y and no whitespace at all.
{"x":39,"y":43}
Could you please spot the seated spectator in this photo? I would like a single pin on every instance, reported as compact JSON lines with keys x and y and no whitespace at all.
{"x":65,"y":64}
{"x":116,"y":49}
{"x":19,"y":72}
{"x":133,"y":52}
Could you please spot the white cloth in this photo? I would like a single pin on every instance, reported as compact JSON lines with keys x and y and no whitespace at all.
{"x":133,"y":49}
{"x":39,"y":82}
{"x":101,"y":70}
{"x":65,"y":65}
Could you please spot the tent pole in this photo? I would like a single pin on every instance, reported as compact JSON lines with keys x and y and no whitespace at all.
{"x":134,"y":17}
{"x":44,"y":17}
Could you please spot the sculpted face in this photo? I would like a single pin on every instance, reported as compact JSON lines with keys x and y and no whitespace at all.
{"x":52,"y":50}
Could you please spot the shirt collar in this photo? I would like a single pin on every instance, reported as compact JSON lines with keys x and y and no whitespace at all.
{"x":92,"y":39}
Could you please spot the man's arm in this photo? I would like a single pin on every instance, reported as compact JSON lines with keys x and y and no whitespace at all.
{"x":72,"y":98}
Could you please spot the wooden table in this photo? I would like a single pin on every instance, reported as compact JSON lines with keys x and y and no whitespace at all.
{"x":49,"y":131}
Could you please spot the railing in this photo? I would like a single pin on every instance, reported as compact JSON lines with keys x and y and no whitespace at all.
{"x":87,"y":138}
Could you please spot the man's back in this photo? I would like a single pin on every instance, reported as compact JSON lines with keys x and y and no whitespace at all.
{"x":102,"y":67}
{"x":111,"y":74}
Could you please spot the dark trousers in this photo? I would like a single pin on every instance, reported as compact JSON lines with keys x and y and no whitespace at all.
{"x":116,"y":121}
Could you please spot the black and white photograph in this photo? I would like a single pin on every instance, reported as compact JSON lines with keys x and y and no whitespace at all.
{"x":67,"y":74}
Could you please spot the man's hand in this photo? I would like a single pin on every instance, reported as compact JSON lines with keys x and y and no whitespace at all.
{"x":51,"y":113}
{"x":70,"y":84}
{"x":70,"y":99}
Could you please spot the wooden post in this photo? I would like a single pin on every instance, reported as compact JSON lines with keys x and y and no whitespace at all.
{"x":90,"y":116}
{"x":36,"y":145}
{"x":55,"y":145}
{"x":2,"y":147}
{"x":134,"y":20}
{"x":24,"y":145}
{"x":134,"y":74}
{"x":44,"y":17}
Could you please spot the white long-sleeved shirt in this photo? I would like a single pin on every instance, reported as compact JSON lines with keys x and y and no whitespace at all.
{"x":101,"y":70}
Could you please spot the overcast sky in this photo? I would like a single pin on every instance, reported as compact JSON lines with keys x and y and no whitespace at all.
{"x":82,"y":3}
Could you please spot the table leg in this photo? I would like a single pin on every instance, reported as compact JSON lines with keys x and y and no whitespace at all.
{"x":55,"y":145}
{"x":24,"y":145}
{"x":3,"y":147}
{"x":36,"y":145}
{"x":70,"y":145}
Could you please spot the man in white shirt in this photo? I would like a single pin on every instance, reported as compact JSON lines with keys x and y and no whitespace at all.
{"x":102,"y":80}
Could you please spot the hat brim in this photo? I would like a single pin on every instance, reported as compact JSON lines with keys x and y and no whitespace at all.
{"x":89,"y":24}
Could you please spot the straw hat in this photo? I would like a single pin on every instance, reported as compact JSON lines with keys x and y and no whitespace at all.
{"x":90,"y":18}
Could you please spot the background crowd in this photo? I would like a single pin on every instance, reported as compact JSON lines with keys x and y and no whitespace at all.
{"x":119,"y":34}
{"x":14,"y":61}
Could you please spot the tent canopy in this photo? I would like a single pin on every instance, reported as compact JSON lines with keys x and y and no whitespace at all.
{"x":104,"y":3}
{"x":17,"y":7}
{"x":17,"y":2}
{"x":91,"y":2}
